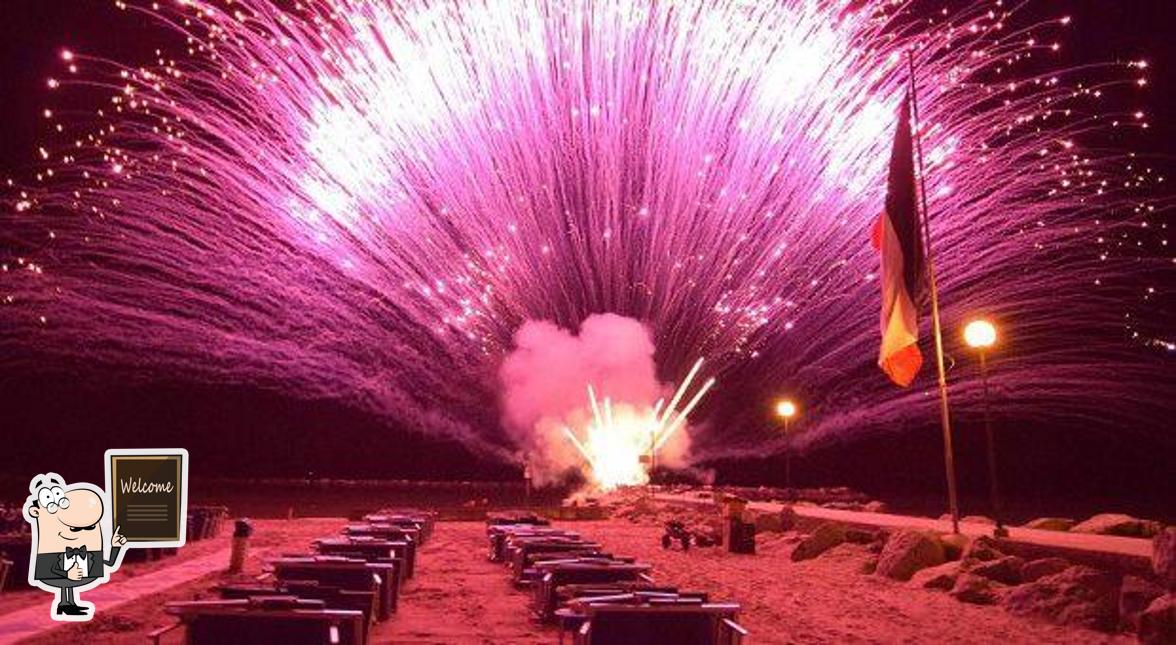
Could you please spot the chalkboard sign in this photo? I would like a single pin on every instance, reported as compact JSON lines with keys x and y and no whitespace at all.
{"x":148,"y":495}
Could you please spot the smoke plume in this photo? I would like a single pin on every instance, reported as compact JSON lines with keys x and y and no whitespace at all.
{"x":545,"y":379}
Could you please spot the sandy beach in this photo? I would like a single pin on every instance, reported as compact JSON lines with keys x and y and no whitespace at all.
{"x":460,"y":597}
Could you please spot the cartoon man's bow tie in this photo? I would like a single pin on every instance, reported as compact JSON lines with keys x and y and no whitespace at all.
{"x":71,"y":552}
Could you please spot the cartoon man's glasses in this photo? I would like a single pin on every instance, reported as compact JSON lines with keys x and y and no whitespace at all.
{"x":52,"y":499}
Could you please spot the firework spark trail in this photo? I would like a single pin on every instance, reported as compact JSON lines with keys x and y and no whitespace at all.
{"x":363,"y":200}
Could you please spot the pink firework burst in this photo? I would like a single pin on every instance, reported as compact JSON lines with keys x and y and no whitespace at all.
{"x":363,"y":199}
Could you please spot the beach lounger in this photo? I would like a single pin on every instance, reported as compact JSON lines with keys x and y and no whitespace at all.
{"x":500,"y":536}
{"x":570,"y":599}
{"x":427,"y":518}
{"x":275,"y":619}
{"x":512,"y":538}
{"x":522,"y":554}
{"x":553,"y":575}
{"x":636,"y":592}
{"x":370,"y":549}
{"x":345,"y":573}
{"x":682,"y":623}
{"x":417,"y":522}
{"x":383,"y":532}
{"x":364,"y":602}
{"x":523,"y":571}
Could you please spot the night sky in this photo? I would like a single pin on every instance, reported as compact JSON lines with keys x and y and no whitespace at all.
{"x":238,"y":429}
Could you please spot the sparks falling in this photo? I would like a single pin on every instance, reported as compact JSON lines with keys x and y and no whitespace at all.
{"x":363,"y":199}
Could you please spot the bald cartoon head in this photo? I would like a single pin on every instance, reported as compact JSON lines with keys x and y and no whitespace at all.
{"x":65,"y":516}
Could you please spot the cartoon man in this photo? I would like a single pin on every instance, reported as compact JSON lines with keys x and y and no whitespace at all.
{"x":68,"y":549}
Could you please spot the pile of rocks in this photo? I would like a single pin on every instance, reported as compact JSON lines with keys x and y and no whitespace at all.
{"x":1101,"y":524}
{"x":978,"y":571}
{"x":1052,"y":588}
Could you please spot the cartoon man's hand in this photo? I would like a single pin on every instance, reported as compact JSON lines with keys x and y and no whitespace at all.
{"x":118,"y":539}
{"x":74,"y":572}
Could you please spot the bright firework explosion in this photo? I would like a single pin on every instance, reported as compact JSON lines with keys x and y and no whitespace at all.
{"x":345,"y":198}
{"x":618,"y":437}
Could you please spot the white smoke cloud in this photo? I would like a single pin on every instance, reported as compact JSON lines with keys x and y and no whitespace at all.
{"x":544,"y":386}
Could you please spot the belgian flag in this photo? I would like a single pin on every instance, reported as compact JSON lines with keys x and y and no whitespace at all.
{"x":896,"y":236}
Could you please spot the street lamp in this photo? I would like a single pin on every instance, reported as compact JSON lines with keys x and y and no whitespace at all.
{"x":980,"y":335}
{"x":786,"y":409}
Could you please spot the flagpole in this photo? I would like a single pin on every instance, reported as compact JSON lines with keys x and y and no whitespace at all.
{"x":945,"y":416}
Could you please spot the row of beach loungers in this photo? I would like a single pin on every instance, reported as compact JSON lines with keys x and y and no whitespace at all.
{"x":330,"y":596}
{"x":598,"y":597}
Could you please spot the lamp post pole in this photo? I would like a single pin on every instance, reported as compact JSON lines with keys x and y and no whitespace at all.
{"x":787,"y":458}
{"x":980,"y":335}
{"x":993,"y":485}
{"x":786,"y":409}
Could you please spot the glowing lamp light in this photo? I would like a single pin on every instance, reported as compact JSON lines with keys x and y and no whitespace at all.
{"x":980,"y":334}
{"x":785,"y":409}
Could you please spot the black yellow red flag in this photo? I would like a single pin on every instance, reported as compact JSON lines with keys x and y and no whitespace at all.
{"x":903,"y":281}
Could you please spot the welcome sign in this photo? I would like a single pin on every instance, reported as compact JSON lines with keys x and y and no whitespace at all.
{"x":148,"y":490}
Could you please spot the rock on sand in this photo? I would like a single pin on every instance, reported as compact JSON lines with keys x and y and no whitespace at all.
{"x":1051,"y":524}
{"x":825,"y":537}
{"x":978,"y":519}
{"x":1006,"y":570}
{"x":976,"y":590}
{"x":908,"y":551}
{"x":1135,"y":596}
{"x":1042,"y":567}
{"x":982,"y":549}
{"x":1157,"y":625}
{"x":939,"y":577}
{"x":1118,"y":524}
{"x":1079,"y":596}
